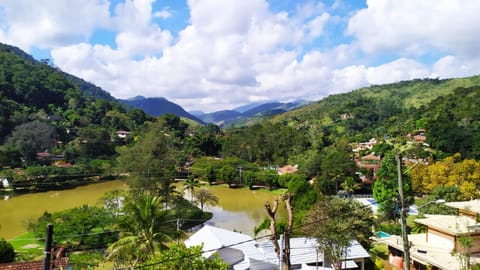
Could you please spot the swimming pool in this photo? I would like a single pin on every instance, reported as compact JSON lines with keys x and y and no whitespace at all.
{"x":382,"y":234}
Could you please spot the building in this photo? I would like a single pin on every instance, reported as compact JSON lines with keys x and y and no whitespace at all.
{"x":244,"y":252}
{"x":441,"y":246}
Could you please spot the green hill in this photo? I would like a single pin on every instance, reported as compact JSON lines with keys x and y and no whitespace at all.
{"x":43,"y":109}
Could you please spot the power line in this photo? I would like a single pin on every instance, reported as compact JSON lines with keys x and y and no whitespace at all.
{"x":254,"y":239}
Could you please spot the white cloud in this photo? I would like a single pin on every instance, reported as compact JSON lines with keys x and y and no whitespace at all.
{"x":398,"y":70}
{"x":452,"y":66}
{"x":165,"y":13}
{"x":50,"y":23}
{"x":239,"y":51}
{"x":414,"y":27}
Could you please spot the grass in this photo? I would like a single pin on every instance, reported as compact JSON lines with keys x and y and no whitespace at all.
{"x":28,"y":246}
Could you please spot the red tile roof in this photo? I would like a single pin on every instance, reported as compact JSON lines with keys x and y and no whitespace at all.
{"x":57,"y":264}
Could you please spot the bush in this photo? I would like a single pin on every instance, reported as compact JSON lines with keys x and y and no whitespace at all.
{"x":7,"y":253}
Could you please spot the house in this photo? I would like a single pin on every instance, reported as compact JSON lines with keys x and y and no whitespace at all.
{"x":287,"y":169}
{"x":244,"y":252}
{"x":237,"y":249}
{"x":122,"y":134}
{"x":57,"y":262}
{"x":440,"y":247}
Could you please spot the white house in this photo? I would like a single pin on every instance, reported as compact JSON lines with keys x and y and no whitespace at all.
{"x":237,"y":249}
{"x":440,"y":246}
{"x":244,"y":252}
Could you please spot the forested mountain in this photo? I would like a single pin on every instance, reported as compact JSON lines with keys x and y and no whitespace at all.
{"x":397,"y":109}
{"x":89,"y":88}
{"x":158,"y":107}
{"x":44,"y":110}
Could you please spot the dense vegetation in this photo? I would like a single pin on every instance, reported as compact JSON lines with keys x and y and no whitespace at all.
{"x":53,"y":132}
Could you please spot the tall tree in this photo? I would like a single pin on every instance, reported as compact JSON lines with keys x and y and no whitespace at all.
{"x":148,"y":159}
{"x":336,"y":222}
{"x":144,"y":223}
{"x":385,"y":189}
{"x":206,"y":197}
{"x":191,"y":184}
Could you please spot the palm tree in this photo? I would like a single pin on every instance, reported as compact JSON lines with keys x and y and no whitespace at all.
{"x":190,"y":184}
{"x":206,"y":197}
{"x":144,"y":222}
{"x":168,"y":191}
{"x":349,"y":185}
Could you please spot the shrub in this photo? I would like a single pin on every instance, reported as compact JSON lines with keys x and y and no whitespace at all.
{"x":7,"y":253}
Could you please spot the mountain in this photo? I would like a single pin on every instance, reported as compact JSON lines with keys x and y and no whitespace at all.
{"x":246,"y":112}
{"x":158,"y":106}
{"x":88,"y":88}
{"x":220,"y":117}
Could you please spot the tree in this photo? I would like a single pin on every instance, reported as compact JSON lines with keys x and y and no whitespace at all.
{"x":144,"y":223}
{"x":7,"y":252}
{"x":336,"y":222}
{"x":190,"y":184}
{"x":228,"y":173}
{"x":210,"y":175}
{"x":450,"y":172}
{"x":250,"y":178}
{"x":145,"y":160}
{"x":206,"y":197}
{"x":31,"y":138}
{"x":79,"y":227}
{"x":350,"y":185}
{"x":385,"y":189}
{"x":269,"y":177}
{"x":336,"y":166}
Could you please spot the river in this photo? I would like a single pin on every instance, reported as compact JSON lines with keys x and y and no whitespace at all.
{"x":238,"y":209}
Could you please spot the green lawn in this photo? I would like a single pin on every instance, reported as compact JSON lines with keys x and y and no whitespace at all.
{"x":27,"y":246}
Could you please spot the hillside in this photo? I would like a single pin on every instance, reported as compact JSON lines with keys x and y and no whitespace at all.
{"x":393,"y":110}
{"x":158,"y":106}
{"x":401,"y":95}
{"x":45,"y":110}
{"x":88,"y":88}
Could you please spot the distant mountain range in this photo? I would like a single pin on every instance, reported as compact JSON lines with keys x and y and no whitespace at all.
{"x":158,"y":106}
{"x":244,"y":113}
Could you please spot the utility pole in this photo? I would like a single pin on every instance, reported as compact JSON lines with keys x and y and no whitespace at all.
{"x":406,"y":245}
{"x":48,"y":248}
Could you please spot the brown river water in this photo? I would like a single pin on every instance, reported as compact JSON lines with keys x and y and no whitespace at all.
{"x":238,"y":209}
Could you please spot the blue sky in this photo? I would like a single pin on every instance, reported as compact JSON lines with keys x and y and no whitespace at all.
{"x":219,"y":54}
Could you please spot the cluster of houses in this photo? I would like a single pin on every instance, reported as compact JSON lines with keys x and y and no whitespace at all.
{"x":372,"y":162}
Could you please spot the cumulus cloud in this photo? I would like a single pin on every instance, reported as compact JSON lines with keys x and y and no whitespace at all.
{"x":415,"y":27}
{"x":51,"y":23}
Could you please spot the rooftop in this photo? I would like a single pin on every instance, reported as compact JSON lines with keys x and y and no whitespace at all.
{"x":453,"y":225}
{"x":426,"y":253}
{"x":473,"y":205}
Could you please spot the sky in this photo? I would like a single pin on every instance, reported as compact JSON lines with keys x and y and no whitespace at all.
{"x":212,"y":55}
